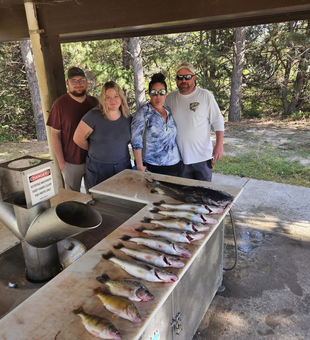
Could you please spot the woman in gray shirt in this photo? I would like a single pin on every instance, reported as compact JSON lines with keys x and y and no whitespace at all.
{"x":105,"y":133}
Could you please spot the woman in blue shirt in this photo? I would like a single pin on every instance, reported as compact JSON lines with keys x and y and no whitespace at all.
{"x":154,"y":132}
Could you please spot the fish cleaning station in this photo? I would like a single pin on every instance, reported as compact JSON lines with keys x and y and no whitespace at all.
{"x":58,"y":270}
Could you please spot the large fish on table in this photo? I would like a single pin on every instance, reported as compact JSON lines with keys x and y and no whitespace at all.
{"x":199,"y":218}
{"x":161,"y":244}
{"x":153,"y":257}
{"x":196,"y":208}
{"x":99,"y":327}
{"x":173,"y":234}
{"x":119,"y":306}
{"x":178,"y":223}
{"x":132,"y":289}
{"x":142,"y":270}
{"x":190,"y":194}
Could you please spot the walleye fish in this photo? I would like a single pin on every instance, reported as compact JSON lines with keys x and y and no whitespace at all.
{"x":99,"y":327}
{"x":172,"y":234}
{"x":161,"y":244}
{"x":142,"y":270}
{"x":190,"y":194}
{"x":119,"y":305}
{"x":178,"y":223}
{"x":153,"y":257}
{"x":129,"y":288}
{"x":196,"y":208}
{"x":199,"y":218}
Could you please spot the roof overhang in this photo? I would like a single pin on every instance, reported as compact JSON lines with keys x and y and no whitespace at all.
{"x":79,"y":20}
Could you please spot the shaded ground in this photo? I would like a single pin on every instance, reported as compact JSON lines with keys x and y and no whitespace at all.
{"x":267,"y":295}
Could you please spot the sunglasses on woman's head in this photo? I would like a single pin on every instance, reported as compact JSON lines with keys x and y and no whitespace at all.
{"x":186,"y":76}
{"x":161,"y":92}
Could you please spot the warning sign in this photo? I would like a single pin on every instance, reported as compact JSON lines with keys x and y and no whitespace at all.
{"x":41,"y":185}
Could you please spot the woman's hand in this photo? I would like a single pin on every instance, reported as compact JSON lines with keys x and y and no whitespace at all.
{"x":141,"y":168}
{"x":138,"y":159}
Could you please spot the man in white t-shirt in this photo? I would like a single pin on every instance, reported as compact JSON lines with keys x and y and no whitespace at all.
{"x":195,"y":111}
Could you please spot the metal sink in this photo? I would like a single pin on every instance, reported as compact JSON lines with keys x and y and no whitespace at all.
{"x":15,"y":288}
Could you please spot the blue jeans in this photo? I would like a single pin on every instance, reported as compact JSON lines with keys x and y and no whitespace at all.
{"x":98,"y":172}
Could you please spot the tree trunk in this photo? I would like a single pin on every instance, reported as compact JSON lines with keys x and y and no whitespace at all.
{"x":138,"y":71}
{"x":28,"y":60}
{"x":236,"y":83}
{"x":301,"y":77}
{"x":126,"y":54}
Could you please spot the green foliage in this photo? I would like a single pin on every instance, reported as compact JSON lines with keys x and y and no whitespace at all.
{"x":276,"y":78}
{"x":6,"y":136}
{"x":15,"y":101}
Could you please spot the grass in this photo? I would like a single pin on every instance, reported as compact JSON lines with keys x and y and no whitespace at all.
{"x":268,"y":165}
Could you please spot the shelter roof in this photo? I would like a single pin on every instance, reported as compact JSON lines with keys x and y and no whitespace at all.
{"x":78,"y":20}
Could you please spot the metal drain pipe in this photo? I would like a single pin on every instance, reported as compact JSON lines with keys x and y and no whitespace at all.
{"x":8,"y":218}
{"x":61,"y":221}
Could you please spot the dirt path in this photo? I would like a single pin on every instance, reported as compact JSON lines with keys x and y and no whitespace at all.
{"x":245,"y":136}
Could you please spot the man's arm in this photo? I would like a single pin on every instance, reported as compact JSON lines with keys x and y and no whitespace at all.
{"x":57,"y":146}
{"x":218,"y":149}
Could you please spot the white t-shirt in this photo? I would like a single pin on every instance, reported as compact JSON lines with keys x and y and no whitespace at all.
{"x":194,"y":114}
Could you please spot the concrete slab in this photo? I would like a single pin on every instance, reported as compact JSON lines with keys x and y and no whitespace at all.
{"x":267,"y":295}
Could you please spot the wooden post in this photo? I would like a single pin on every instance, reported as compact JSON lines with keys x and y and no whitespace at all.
{"x":35,"y":38}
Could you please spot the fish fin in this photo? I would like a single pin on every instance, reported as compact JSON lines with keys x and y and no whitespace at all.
{"x":103,"y":278}
{"x":155,"y":210}
{"x":97,"y":290}
{"x":146,"y":220}
{"x":78,"y":310}
{"x":140,"y":230}
{"x":108,"y":255}
{"x":125,"y":238}
{"x":119,"y":246}
{"x":114,"y":316}
{"x":157,"y":204}
{"x":94,"y":334}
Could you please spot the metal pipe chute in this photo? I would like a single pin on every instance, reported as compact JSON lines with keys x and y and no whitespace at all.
{"x":8,"y":218}
{"x":61,"y":221}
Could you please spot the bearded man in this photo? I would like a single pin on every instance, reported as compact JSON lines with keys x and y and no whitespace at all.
{"x":65,"y":116}
{"x":194,"y":111}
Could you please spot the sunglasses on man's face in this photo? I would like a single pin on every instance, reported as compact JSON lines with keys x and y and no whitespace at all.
{"x":186,"y":76}
{"x":161,"y":92}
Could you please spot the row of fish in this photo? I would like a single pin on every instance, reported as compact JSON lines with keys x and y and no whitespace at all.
{"x":118,"y":301}
{"x":182,"y":223}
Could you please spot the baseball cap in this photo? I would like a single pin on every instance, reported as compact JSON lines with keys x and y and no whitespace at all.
{"x":75,"y":71}
{"x":186,"y":65}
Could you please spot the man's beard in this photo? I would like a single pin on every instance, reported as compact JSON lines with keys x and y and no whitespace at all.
{"x":184,"y":89}
{"x":78,"y":94}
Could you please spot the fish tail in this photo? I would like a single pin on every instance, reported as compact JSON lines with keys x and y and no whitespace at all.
{"x":146,"y":220}
{"x":108,"y":255}
{"x":103,"y":278}
{"x":78,"y":310}
{"x":125,"y":238}
{"x":119,"y":246}
{"x":140,"y":230}
{"x":157,"y":204}
{"x":155,"y":210}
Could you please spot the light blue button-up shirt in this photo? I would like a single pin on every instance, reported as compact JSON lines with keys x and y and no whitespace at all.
{"x":156,"y":138}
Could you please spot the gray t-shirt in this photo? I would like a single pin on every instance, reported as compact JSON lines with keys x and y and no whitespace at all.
{"x":109,"y":140}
